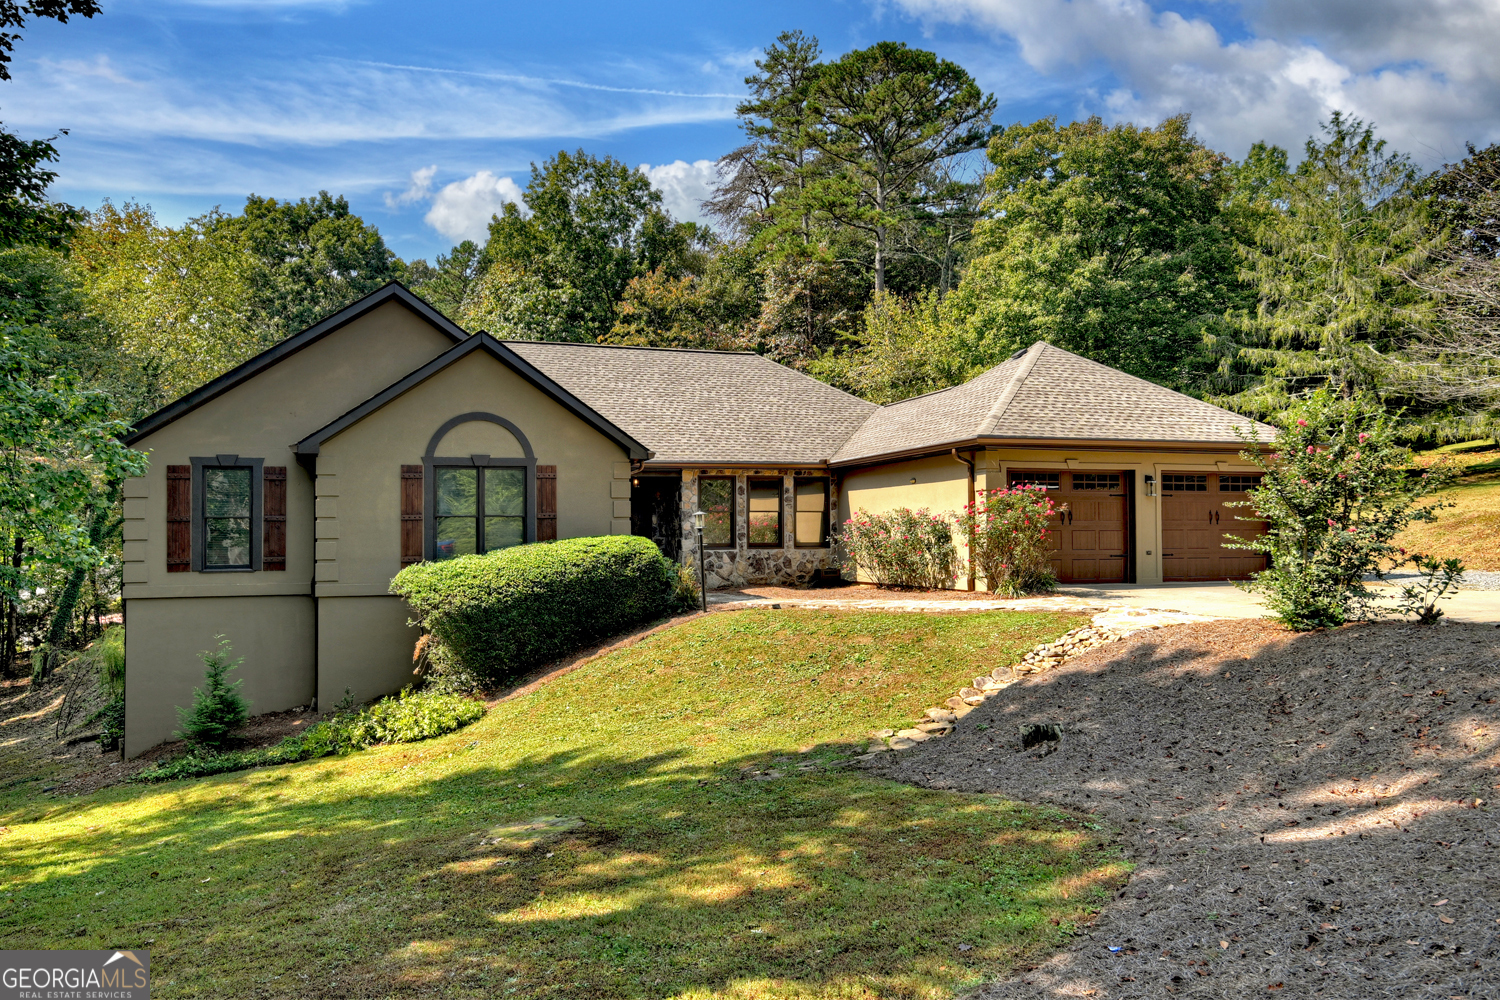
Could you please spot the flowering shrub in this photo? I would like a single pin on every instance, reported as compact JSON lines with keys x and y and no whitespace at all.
{"x":1010,"y":538}
{"x":903,"y":548}
{"x":1337,"y":490}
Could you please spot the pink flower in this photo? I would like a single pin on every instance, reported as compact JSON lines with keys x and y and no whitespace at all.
{"x":1311,"y":449}
{"x":1351,"y":531}
{"x":1331,"y":524}
{"x":1301,"y":423}
{"x":1363,"y":438}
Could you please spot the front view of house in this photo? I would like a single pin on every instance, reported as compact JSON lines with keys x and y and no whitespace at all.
{"x":284,"y":495}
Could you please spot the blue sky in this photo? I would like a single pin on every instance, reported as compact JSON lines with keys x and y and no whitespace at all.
{"x":427,"y":115}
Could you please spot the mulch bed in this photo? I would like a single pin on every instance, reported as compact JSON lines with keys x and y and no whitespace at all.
{"x":1303,"y":810}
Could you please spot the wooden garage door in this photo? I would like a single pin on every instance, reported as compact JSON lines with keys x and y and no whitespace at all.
{"x":1089,"y":539}
{"x":1194,"y":521}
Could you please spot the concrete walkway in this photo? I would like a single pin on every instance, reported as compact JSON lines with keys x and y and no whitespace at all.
{"x":1198,"y":600}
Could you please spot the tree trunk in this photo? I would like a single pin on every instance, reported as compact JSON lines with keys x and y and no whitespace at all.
{"x":12,"y":638}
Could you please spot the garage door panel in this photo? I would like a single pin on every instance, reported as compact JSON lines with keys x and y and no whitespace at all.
{"x":1196,"y":522}
{"x":1087,"y":543}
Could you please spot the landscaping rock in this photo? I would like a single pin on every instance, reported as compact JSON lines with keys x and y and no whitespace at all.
{"x":902,"y":743}
{"x":940,"y":715}
{"x":883,"y":734}
{"x":935,"y":728}
{"x":915,"y":735}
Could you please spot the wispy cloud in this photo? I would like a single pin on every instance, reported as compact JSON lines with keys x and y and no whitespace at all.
{"x":420,"y":188}
{"x":544,"y":81}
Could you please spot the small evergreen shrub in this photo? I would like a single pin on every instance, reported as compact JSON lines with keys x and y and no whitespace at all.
{"x":1337,"y":489}
{"x":504,"y":611}
{"x":1011,"y":540}
{"x":404,"y":718}
{"x":901,"y":548}
{"x":218,"y":707}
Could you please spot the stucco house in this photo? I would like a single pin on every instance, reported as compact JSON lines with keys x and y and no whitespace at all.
{"x":284,"y":495}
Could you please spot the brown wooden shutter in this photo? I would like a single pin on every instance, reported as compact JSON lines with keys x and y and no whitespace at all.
{"x":546,"y":503}
{"x":179,"y":518}
{"x":411,"y":514}
{"x":273,"y":519}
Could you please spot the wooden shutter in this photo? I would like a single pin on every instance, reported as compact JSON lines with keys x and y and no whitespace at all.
{"x":273,"y":519}
{"x":546,"y":503}
{"x":179,"y":518}
{"x":411,"y":514}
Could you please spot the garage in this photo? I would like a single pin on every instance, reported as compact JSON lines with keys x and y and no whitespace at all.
{"x":1090,"y":537}
{"x":1194,"y":521}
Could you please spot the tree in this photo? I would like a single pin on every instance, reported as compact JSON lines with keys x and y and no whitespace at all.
{"x":218,"y":707}
{"x":14,"y":15}
{"x":1104,"y":240}
{"x":312,"y":257}
{"x":906,"y":348}
{"x":447,"y":284}
{"x":26,"y":215}
{"x":593,"y":224}
{"x":884,"y":117}
{"x":1325,"y":260}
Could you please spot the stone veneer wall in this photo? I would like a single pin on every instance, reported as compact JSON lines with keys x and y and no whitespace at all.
{"x":743,"y":566}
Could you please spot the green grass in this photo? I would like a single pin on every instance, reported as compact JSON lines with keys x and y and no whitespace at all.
{"x":1470,"y":530}
{"x":686,"y":877}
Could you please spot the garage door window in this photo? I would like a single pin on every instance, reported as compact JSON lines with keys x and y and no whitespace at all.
{"x":1096,"y":480}
{"x":1238,"y":484}
{"x":1051,"y":480}
{"x":1178,"y":483}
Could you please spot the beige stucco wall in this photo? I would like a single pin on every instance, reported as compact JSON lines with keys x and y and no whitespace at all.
{"x":940,"y":484}
{"x":364,"y":646}
{"x":163,"y":639}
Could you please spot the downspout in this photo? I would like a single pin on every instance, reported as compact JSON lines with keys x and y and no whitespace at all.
{"x":970,"y":463}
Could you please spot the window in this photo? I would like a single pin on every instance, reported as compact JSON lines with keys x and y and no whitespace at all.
{"x":1051,"y":480}
{"x":765,"y":513}
{"x":478,"y":510}
{"x":1176,"y":482}
{"x":1238,"y":484}
{"x":811,"y":512}
{"x":1096,"y":480}
{"x":228,"y":498}
{"x":716,"y":500}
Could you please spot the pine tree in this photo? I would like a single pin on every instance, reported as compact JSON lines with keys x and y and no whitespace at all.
{"x":218,"y":707}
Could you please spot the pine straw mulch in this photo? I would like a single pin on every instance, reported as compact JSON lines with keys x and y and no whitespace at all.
{"x":1302,"y":810}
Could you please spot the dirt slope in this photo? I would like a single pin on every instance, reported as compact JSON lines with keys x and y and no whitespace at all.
{"x":1302,"y":809}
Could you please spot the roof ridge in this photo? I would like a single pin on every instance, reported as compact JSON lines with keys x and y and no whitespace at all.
{"x":638,"y":347}
{"x":1023,"y":371}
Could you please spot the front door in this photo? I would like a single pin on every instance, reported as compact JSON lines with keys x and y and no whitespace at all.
{"x":655,"y":512}
{"x":1194,"y":521}
{"x":1089,"y":537}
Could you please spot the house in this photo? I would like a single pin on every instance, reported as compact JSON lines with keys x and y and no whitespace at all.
{"x":284,"y":495}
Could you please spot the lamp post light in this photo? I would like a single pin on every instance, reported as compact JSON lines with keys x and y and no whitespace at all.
{"x":698,"y":518}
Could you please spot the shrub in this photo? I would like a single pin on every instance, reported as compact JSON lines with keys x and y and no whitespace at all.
{"x":404,"y":718}
{"x":1336,"y":492}
{"x":218,"y":708}
{"x":902,"y":548}
{"x":504,"y":611}
{"x":1009,"y":535}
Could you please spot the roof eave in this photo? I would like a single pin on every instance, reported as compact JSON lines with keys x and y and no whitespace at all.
{"x":1078,"y":444}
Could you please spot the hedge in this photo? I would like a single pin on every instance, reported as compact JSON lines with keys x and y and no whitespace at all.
{"x":504,"y":611}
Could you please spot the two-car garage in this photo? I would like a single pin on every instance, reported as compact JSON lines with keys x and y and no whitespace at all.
{"x":1093,"y":543}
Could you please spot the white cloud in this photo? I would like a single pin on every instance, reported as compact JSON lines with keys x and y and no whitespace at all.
{"x":419,"y":189}
{"x":462,"y":210}
{"x":1423,"y":70}
{"x":684,"y":186}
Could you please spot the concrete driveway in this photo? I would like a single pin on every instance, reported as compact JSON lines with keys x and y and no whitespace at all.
{"x":1225,"y":600}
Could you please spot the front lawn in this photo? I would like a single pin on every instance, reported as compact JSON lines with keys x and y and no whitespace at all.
{"x":1469,"y":530}
{"x":661,"y":822}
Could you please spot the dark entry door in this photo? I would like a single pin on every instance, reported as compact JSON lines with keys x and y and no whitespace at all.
{"x":1194,"y":521}
{"x":655,"y":512}
{"x":1089,"y":542}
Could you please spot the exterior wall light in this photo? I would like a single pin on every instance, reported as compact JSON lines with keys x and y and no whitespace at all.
{"x":698,"y":518}
{"x":1151,"y":486}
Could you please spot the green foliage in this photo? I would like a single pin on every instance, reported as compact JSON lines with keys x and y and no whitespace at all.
{"x":686,"y":589}
{"x":901,"y":548}
{"x":507,"y":610}
{"x":13,"y":14}
{"x":1105,"y":240}
{"x":407,"y":717}
{"x":908,"y":347}
{"x":446,"y":283}
{"x":1009,"y":539}
{"x":1336,"y":492}
{"x":111,"y":719}
{"x":58,"y":442}
{"x":218,"y":707}
{"x":26,"y":215}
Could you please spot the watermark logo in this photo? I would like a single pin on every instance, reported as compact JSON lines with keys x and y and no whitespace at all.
{"x":75,"y":975}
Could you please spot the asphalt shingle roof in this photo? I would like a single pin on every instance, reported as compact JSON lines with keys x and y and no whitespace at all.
{"x":704,"y":407}
{"x":1049,"y":393}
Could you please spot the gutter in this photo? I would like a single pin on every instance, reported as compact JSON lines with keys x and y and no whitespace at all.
{"x":970,"y":463}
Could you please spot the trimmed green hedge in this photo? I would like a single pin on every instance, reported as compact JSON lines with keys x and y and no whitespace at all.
{"x":505,"y":611}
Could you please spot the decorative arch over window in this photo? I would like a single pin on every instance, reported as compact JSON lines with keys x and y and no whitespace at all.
{"x":478,"y":503}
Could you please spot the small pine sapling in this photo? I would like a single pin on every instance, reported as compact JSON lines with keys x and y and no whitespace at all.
{"x":218,"y":707}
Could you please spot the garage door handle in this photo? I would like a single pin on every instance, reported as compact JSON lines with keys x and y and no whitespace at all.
{"x":1120,"y":556}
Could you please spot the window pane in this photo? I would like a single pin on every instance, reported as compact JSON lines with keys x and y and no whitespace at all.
{"x":1051,"y":480}
{"x":227,"y":541}
{"x":454,"y":536}
{"x":1176,"y":482}
{"x":1096,"y":480}
{"x":457,"y":490}
{"x":1238,"y":484}
{"x":503,"y":532}
{"x":504,"y":493}
{"x":716,"y":499}
{"x":765,"y":512}
{"x":812,"y":501}
{"x":226,"y":492}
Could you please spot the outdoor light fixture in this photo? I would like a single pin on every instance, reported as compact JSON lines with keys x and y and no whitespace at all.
{"x":1151,"y":486}
{"x":698,"y":519}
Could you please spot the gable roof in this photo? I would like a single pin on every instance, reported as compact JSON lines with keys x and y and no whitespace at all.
{"x":696,"y":407}
{"x":1044,"y":393}
{"x":311,"y":444}
{"x":392,"y":292}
